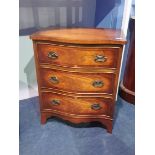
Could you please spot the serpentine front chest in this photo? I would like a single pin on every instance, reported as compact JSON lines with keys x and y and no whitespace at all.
{"x":77,"y":73}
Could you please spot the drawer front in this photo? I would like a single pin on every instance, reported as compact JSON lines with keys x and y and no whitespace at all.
{"x":77,"y":82}
{"x":80,"y":106}
{"x":78,"y":57}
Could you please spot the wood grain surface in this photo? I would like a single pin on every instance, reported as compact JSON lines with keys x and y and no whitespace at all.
{"x":78,"y":57}
{"x":77,"y":82}
{"x":79,"y":106}
{"x":81,"y":36}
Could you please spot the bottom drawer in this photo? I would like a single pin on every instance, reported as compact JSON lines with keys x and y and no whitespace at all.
{"x":79,"y":106}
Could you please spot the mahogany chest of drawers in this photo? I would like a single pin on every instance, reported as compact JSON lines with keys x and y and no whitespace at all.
{"x":77,"y":73}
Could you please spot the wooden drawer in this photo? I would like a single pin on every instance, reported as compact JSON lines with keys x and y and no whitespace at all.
{"x":80,"y":106}
{"x":77,"y":82}
{"x":78,"y":56}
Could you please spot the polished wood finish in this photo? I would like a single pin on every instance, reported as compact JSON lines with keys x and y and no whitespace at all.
{"x":81,"y":36}
{"x":77,"y":56}
{"x":77,"y":118}
{"x":77,"y":73}
{"x":77,"y":82}
{"x":76,"y":105}
{"x":127,"y":86}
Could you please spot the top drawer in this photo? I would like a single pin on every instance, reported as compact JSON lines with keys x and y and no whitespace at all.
{"x":78,"y":56}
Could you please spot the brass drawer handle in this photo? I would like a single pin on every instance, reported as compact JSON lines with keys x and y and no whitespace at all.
{"x":96,"y":106}
{"x":98,"y":84}
{"x":100,"y":58}
{"x":52,"y":55}
{"x":54,"y":79}
{"x":55,"y":102}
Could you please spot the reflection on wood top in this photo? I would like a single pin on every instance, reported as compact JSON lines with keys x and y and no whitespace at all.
{"x":81,"y":36}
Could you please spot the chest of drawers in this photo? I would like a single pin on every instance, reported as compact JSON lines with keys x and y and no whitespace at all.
{"x":77,"y":73}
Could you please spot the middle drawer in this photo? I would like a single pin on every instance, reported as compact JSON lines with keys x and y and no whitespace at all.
{"x":77,"y":82}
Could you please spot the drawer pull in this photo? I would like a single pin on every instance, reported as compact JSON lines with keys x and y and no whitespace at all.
{"x":55,"y":102}
{"x":100,"y":58}
{"x":54,"y":79}
{"x":52,"y":55}
{"x":96,"y":106}
{"x":98,"y":84}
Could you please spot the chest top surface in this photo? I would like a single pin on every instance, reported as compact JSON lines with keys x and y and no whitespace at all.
{"x":81,"y":36}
